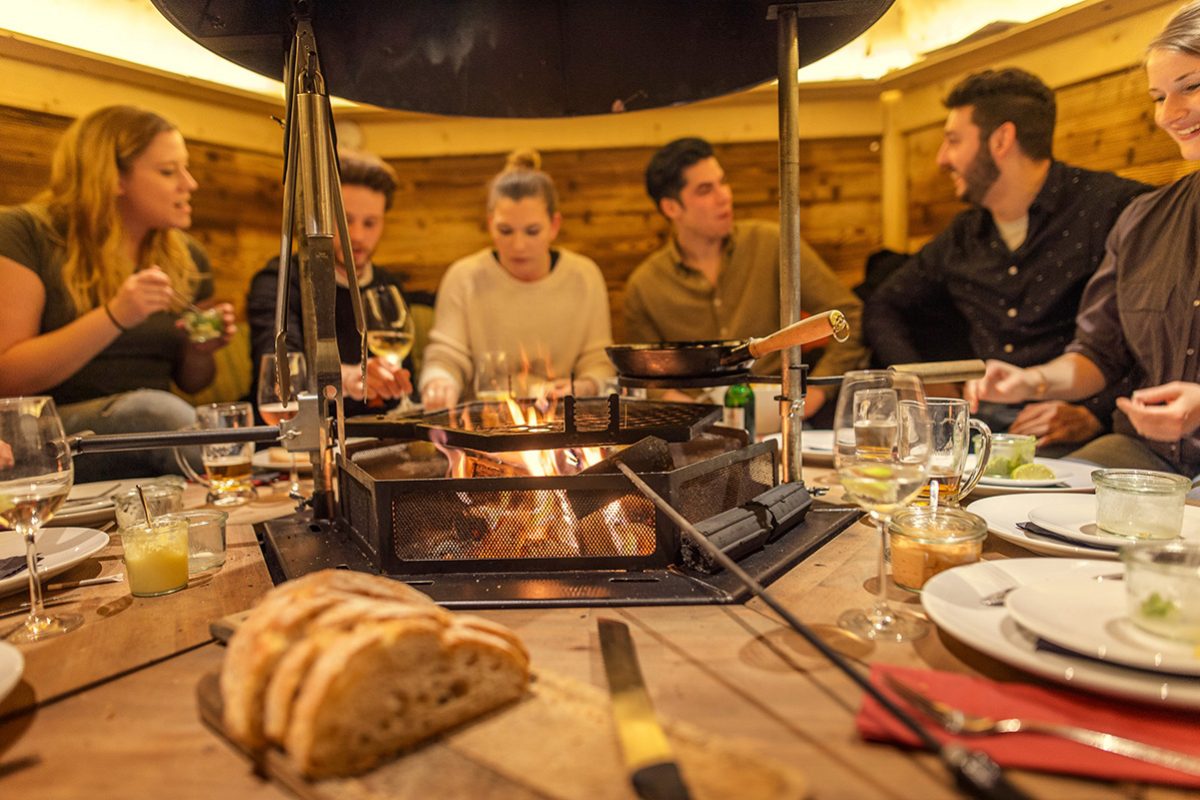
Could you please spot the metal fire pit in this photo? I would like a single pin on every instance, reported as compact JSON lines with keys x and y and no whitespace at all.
{"x":515,"y":541}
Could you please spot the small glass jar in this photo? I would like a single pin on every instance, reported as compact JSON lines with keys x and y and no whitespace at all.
{"x":156,"y":558}
{"x":926,"y":541}
{"x":1009,"y":451}
{"x":1139,"y":503}
{"x":163,"y":498}
{"x":206,"y":538}
{"x":1162,"y":588}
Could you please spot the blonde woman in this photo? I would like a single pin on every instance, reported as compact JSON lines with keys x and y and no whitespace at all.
{"x":539,"y":310}
{"x":94,"y":271}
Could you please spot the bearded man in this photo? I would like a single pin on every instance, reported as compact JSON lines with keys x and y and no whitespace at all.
{"x":1015,"y":263}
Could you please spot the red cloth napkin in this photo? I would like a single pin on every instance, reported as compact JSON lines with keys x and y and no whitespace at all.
{"x":1175,"y":729}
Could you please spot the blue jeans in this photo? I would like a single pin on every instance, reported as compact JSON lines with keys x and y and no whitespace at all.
{"x":140,"y":411}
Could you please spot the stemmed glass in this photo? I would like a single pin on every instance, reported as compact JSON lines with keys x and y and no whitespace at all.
{"x":273,"y":408}
{"x":390,"y":329}
{"x":881,"y":452}
{"x":35,"y":477}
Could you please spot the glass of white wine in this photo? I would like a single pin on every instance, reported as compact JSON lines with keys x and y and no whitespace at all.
{"x":35,"y":476}
{"x":881,"y":452}
{"x":390,"y":329}
{"x":274,"y":408}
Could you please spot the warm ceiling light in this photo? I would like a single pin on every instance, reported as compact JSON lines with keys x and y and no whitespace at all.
{"x":134,"y":31}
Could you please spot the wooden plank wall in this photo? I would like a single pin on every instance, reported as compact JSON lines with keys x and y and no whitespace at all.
{"x":1105,"y":124}
{"x":438,"y":215}
{"x":439,"y":211}
{"x":235,"y":214}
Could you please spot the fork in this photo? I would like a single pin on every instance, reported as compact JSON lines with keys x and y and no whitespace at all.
{"x":960,"y":723}
{"x":997,"y":598}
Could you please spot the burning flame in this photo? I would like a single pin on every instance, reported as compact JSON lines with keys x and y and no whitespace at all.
{"x":549,"y":524}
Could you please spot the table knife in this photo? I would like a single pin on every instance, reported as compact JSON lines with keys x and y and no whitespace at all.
{"x":652,"y":767}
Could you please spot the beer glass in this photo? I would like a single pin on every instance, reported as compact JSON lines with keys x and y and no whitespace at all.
{"x":227,"y":466}
{"x":951,"y":428}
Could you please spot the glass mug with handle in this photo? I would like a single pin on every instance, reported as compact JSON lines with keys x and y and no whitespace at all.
{"x":228,"y":467}
{"x":951,"y":429}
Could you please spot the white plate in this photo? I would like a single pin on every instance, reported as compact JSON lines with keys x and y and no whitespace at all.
{"x":12,"y":664}
{"x":1090,"y":618}
{"x":1075,"y":517}
{"x":816,"y":446}
{"x":951,"y":599}
{"x":1004,"y":511}
{"x":61,"y":549}
{"x":1076,"y":476}
{"x":262,"y":459}
{"x":91,"y":503}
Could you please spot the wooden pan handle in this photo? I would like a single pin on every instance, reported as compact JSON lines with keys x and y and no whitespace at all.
{"x":819,"y":326}
{"x":944,"y":371}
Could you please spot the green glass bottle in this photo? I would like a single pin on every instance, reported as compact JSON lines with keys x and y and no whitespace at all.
{"x":739,"y":408}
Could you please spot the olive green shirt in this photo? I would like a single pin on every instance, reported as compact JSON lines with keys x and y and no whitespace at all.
{"x":668,"y":301}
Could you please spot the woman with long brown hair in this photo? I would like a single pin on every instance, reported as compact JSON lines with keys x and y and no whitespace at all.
{"x":95,"y":270}
{"x":541,"y":311}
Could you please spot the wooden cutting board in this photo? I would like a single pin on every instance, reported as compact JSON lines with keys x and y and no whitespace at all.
{"x":558,"y":743}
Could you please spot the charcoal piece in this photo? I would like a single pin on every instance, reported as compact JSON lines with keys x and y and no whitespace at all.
{"x":737,"y":532}
{"x":399,"y":461}
{"x":787,"y":504}
{"x":650,"y":454}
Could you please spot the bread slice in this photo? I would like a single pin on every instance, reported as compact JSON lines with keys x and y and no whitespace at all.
{"x":386,"y":685}
{"x":293,"y":665}
{"x":281,"y":618}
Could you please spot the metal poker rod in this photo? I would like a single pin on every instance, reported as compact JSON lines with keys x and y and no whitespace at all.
{"x":975,"y":772}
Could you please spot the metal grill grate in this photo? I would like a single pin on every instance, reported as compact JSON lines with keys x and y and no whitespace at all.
{"x":588,"y":422}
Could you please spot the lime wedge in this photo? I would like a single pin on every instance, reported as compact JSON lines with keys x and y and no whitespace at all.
{"x":1033,"y":472}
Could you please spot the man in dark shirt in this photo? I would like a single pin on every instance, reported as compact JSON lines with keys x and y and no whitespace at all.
{"x":1016,"y":262}
{"x":368,"y":185}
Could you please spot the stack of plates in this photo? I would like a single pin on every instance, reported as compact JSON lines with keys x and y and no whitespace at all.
{"x":91,"y":503}
{"x":1069,"y":476}
{"x":60,"y":549}
{"x":1063,"y":624}
{"x":1070,"y":520}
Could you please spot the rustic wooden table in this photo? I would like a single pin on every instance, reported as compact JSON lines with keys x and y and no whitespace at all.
{"x":110,"y":710}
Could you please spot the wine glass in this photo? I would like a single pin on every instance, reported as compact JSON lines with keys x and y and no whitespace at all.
{"x":390,"y":329}
{"x":35,"y":476}
{"x":274,"y":408}
{"x":881,"y":452}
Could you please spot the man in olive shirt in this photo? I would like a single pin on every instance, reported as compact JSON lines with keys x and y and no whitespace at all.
{"x":719,"y":279}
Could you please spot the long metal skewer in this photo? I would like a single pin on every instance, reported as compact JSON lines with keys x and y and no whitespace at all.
{"x":974,"y":771}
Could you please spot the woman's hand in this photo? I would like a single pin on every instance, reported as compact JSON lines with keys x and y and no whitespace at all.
{"x":383,"y":381}
{"x":1001,"y":383}
{"x":1164,"y":413}
{"x":142,"y":294}
{"x":438,"y":394}
{"x":228,"y":329}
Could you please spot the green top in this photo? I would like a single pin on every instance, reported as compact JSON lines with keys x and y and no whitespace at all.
{"x":143,"y":358}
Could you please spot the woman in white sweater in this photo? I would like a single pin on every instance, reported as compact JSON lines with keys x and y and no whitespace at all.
{"x":539,"y":310}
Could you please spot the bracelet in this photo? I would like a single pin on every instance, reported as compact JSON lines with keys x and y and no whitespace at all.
{"x":113,"y":319}
{"x":1039,"y":391}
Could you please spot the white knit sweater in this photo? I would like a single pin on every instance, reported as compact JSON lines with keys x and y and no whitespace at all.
{"x":557,"y":325}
